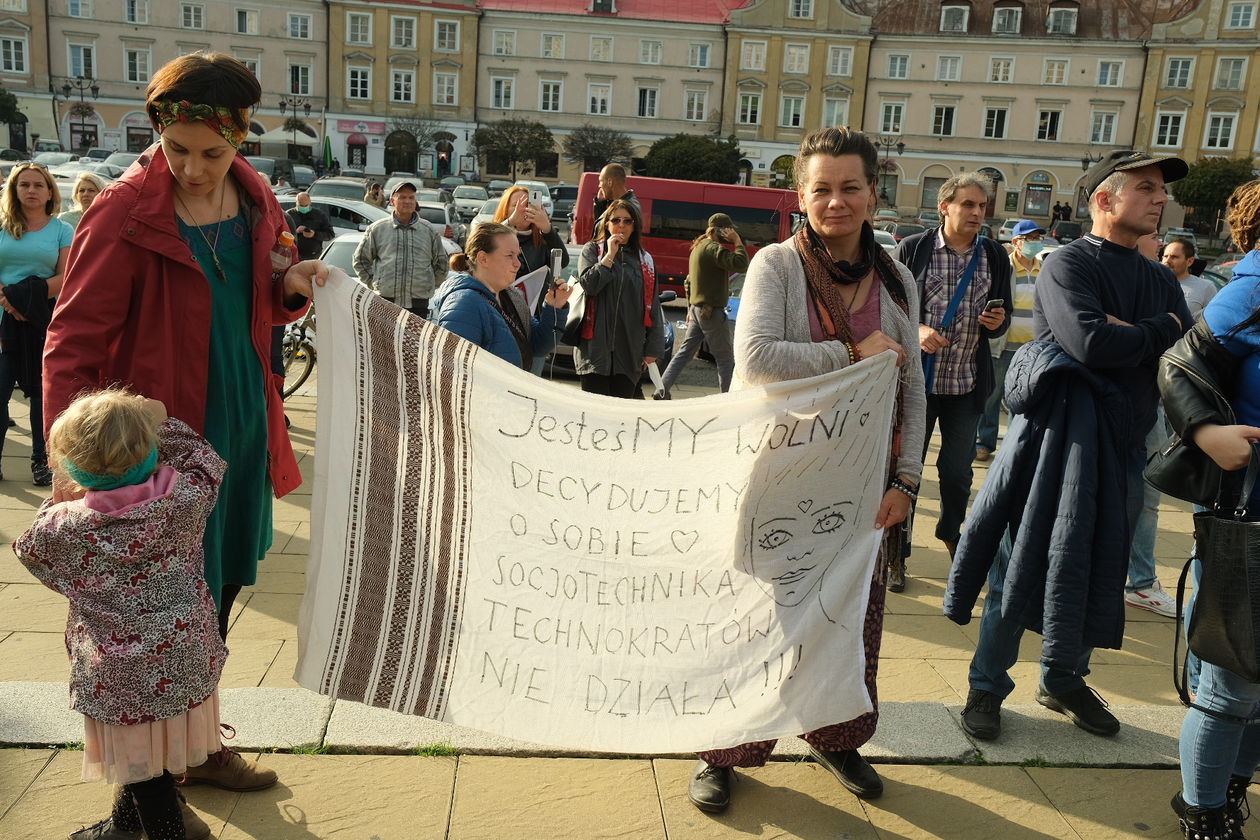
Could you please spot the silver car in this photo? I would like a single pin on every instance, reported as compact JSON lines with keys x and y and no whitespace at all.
{"x":343,"y":213}
{"x":468,"y":200}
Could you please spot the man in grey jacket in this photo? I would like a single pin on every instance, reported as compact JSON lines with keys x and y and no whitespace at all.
{"x":402,"y":255}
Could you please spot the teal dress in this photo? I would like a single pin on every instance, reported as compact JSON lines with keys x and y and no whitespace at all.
{"x":238,"y":534}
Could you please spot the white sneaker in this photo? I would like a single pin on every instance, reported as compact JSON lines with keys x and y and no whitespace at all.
{"x":1155,"y":599}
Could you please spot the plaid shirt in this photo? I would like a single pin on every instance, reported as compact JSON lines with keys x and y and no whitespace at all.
{"x":955,"y":364}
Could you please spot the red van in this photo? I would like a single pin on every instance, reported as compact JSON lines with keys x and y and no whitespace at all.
{"x":676,"y":212}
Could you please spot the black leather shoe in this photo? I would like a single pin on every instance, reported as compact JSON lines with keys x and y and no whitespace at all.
{"x":710,"y":788}
{"x":982,"y":716}
{"x":853,"y":771}
{"x":1084,"y":706}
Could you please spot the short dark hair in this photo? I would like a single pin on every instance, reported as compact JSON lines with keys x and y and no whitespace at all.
{"x":205,"y":78}
{"x":1186,"y":244}
{"x":836,"y":142}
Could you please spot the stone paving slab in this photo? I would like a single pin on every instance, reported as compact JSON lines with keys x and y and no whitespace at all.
{"x":38,"y":714}
{"x":275,"y":718}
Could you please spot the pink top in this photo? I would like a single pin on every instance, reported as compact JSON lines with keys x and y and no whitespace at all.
{"x":862,"y":323}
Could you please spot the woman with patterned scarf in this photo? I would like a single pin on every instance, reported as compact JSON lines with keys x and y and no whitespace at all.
{"x":623,"y":329}
{"x":173,"y":284}
{"x":825,"y":299}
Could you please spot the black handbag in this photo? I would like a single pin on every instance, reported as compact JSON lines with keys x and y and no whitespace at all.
{"x":1184,"y":471}
{"x":1225,"y":626}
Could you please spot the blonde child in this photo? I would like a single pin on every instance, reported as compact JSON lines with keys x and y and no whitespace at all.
{"x":142,"y":633}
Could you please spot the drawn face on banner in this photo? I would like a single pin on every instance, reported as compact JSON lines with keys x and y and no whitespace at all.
{"x":793,"y":542}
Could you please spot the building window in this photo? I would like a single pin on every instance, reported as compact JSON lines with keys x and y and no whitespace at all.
{"x":83,"y":60}
{"x":250,"y":62}
{"x":601,"y":48}
{"x":504,"y":42}
{"x":948,"y":68}
{"x":192,"y":16}
{"x":403,"y":86}
{"x":1229,"y":73}
{"x":1055,"y":72}
{"x":1241,"y":16}
{"x":697,"y":55}
{"x":13,"y":55}
{"x":358,"y":28}
{"x":18,"y":6}
{"x":752,"y":55}
{"x":650,"y":52}
{"x":299,"y":26}
{"x":1006,"y":21}
{"x":792,"y":111}
{"x":1220,"y":131}
{"x":695,"y":105}
{"x":1109,"y":73}
{"x":943,"y":121}
{"x":597,"y":98}
{"x":898,"y":66}
{"x":246,"y":21}
{"x":446,"y":36}
{"x":550,"y":95}
{"x":136,"y":11}
{"x":1048,"y":125}
{"x":404,"y":33}
{"x":359,"y":83}
{"x":1102,"y":127}
{"x":835,"y":112}
{"x":1180,"y":71}
{"x":954,"y":18}
{"x":796,"y":58}
{"x":839,"y":61}
{"x":136,"y":65}
{"x":552,"y":45}
{"x":801,"y":9}
{"x":890,"y":117}
{"x":995,"y":123}
{"x":79,"y":8}
{"x":647,"y":102}
{"x":501,"y":91}
{"x":1061,"y":22}
{"x":445,"y":89}
{"x":749,"y":108}
{"x":300,"y":79}
{"x":1001,"y":69}
{"x":1168,"y":128}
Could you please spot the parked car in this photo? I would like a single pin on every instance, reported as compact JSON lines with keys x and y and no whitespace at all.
{"x":51,"y":159}
{"x":450,"y":182}
{"x":48,"y":146}
{"x":1065,"y":232}
{"x":443,"y":219}
{"x":496,"y":188}
{"x":340,"y":251}
{"x":275,"y":168}
{"x":1007,"y":230}
{"x":344,"y":214}
{"x":1221,"y":273}
{"x":123,"y":159}
{"x":351,"y":189}
{"x":303,"y":176}
{"x":538,"y":192}
{"x":900,"y":230}
{"x":13,"y":154}
{"x":929,"y":218}
{"x":486,"y":214}
{"x":433,"y":194}
{"x":468,"y":200}
{"x":886,"y":240}
{"x":1180,"y":233}
{"x":98,"y":154}
{"x":986,"y":230}
{"x":887,"y":215}
{"x":563,"y":197}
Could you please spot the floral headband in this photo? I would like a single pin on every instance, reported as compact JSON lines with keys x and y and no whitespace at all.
{"x":217,"y":117}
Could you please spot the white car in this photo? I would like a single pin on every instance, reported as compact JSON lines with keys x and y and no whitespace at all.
{"x":340,"y":251}
{"x":442,"y":217}
{"x":468,"y":200}
{"x":484,"y":214}
{"x":886,"y":240}
{"x":1007,"y":230}
{"x":343,"y":213}
{"x":539,"y":193}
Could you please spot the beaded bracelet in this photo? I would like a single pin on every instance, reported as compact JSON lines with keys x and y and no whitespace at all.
{"x":904,"y":487}
{"x":854,"y":355}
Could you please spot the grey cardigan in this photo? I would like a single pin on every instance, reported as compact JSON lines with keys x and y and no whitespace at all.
{"x":772,"y":340}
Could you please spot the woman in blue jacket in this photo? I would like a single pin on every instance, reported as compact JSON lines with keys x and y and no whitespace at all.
{"x":477,"y":302}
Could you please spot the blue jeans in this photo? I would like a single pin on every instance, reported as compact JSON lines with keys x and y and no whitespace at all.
{"x":8,"y":379}
{"x":986,"y":436}
{"x":716,"y":329}
{"x":998,"y":647}
{"x":1142,"y":553}
{"x":958,"y":418}
{"x":1211,"y":748}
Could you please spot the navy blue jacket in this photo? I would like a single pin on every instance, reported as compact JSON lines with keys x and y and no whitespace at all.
{"x":1058,"y":484}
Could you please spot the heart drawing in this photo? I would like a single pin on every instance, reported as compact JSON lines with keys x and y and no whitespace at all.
{"x":684,"y":540}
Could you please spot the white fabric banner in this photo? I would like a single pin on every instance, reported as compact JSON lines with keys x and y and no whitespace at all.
{"x":502,"y":552}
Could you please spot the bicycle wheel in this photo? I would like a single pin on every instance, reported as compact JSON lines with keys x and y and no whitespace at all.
{"x":299,"y":361}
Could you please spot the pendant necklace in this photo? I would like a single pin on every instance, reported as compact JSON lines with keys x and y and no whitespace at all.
{"x":213,"y":246}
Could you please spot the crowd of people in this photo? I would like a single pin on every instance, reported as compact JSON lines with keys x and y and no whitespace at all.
{"x":167,"y":438}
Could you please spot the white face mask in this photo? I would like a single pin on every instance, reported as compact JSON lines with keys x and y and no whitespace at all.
{"x":1031,"y":249}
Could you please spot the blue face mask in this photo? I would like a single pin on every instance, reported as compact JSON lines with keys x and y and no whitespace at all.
{"x":304,"y":208}
{"x":1031,"y":249}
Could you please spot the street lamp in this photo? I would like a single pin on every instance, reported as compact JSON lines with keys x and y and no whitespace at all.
{"x":294,"y":103}
{"x":82,"y":85}
{"x":1088,"y":160}
{"x":887,"y":144}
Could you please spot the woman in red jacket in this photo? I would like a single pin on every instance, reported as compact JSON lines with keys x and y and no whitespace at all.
{"x":173,"y":284}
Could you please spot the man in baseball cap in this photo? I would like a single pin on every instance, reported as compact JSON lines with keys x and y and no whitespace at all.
{"x":1112,"y":312}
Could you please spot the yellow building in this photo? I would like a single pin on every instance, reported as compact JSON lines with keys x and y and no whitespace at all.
{"x":24,"y":71}
{"x":402,"y":71}
{"x":793,"y":66}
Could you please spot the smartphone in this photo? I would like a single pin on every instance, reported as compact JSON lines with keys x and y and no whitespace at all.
{"x":996,"y":303}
